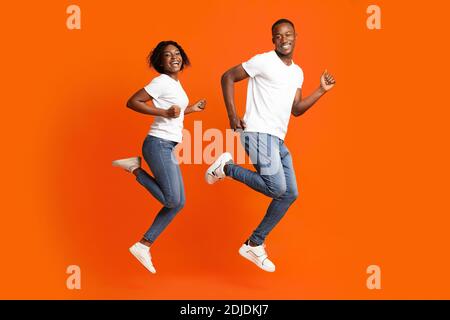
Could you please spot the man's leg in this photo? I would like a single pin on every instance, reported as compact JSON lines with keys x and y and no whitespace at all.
{"x":280,"y":205}
{"x":264,"y":152}
{"x":270,"y":160}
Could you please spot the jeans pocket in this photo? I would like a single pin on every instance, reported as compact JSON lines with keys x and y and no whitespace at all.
{"x":167,"y":144}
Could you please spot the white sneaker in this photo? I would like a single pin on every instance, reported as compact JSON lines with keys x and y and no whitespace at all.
{"x":142,"y":253}
{"x":128,"y":164}
{"x":215,"y":171}
{"x":258,"y":256}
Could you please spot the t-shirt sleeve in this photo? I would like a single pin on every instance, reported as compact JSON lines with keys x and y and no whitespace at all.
{"x":155,"y":88}
{"x":300,"y":78}
{"x":254,"y":66}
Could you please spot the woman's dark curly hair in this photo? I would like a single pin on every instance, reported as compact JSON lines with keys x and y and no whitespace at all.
{"x":155,"y":56}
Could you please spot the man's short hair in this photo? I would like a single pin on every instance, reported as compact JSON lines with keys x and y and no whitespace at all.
{"x":280,"y":21}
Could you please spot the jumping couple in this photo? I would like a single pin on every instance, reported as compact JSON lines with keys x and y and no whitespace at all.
{"x":274,"y":93}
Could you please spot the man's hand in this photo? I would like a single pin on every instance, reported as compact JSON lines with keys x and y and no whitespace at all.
{"x":237,"y":123}
{"x":199,"y":105}
{"x":173,"y":112}
{"x":327,"y":81}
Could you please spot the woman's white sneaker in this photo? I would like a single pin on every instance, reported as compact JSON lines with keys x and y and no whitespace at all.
{"x":258,"y":256}
{"x":142,"y":253}
{"x":128,"y":164}
{"x":215,"y":171}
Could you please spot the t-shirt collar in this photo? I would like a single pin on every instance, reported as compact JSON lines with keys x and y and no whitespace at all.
{"x":177,"y":81}
{"x":278,"y":58}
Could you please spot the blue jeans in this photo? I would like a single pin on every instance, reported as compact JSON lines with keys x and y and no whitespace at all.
{"x":166,"y":185}
{"x":274,"y":177}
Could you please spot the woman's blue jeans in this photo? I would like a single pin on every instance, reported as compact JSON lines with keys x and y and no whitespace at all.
{"x":166,"y":185}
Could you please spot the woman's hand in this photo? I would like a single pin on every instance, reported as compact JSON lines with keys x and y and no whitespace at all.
{"x":173,"y":112}
{"x":199,"y":105}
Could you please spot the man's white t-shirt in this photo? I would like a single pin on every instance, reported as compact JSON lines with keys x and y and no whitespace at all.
{"x":270,"y":93}
{"x":167,"y":92}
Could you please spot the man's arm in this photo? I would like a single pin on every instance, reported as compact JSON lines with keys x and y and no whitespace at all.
{"x":300,"y":106}
{"x":233,"y":75}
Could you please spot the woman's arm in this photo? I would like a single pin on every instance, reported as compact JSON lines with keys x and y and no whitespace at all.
{"x":141,"y":102}
{"x":196,"y":107}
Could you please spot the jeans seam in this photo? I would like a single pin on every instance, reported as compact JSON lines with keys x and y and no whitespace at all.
{"x":169,"y":185}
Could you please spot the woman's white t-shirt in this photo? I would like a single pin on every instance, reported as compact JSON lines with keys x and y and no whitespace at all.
{"x":270,"y":93}
{"x":167,"y":92}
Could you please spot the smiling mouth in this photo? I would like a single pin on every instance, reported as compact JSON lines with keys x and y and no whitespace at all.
{"x":286,"y":46}
{"x":175,"y":64}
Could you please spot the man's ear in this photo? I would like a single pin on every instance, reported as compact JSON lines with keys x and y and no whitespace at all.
{"x":273,"y":40}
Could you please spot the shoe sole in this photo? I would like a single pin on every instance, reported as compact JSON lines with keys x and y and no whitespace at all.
{"x":140,"y":260}
{"x":209,"y":174}
{"x":250,"y":258}
{"x":118,"y":163}
{"x":213,"y":168}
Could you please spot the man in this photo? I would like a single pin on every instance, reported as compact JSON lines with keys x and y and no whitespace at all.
{"x":273,"y":94}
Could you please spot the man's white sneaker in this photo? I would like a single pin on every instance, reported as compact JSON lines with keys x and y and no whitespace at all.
{"x":142,"y":253}
{"x":128,"y":164}
{"x":258,"y":256}
{"x":215,"y":171}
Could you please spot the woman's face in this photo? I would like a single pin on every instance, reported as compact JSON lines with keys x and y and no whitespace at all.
{"x":171,"y":59}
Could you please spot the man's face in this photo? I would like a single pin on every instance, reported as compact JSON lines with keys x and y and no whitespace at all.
{"x":283,"y":37}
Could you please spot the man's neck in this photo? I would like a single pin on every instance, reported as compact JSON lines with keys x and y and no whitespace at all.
{"x":287,"y":59}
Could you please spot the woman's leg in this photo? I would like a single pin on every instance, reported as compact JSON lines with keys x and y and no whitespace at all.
{"x":166,"y":214}
{"x":157,"y":153}
{"x":166,"y":185}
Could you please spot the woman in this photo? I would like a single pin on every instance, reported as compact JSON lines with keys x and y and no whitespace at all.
{"x":165,"y":99}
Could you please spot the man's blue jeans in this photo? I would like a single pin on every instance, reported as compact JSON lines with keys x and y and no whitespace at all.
{"x":274,"y":177}
{"x":166,"y":185}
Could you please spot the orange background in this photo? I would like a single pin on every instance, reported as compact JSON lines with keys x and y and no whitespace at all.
{"x":371,"y":157}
